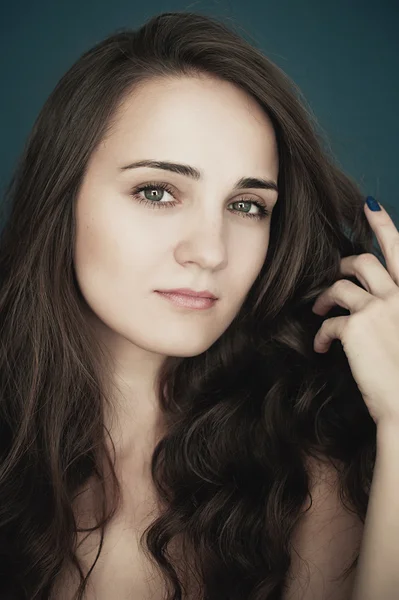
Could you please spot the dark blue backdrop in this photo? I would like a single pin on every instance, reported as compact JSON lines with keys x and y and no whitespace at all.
{"x":344,"y":56}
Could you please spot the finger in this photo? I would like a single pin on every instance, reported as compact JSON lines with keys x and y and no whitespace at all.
{"x":332,"y":329}
{"x":345,"y":293}
{"x":387,"y":236}
{"x":370,"y":272}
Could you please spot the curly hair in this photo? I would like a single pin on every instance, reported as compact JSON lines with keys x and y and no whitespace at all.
{"x":245,"y":415}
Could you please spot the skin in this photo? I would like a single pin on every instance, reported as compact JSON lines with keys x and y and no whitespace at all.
{"x":125,"y":250}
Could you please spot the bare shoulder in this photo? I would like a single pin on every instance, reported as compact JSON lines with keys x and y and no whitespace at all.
{"x":325,"y":542}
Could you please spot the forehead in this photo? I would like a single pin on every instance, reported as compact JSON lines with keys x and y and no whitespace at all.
{"x":192,"y":119}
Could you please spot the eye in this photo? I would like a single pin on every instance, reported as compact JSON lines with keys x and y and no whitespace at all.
{"x":261,"y":210}
{"x":154,"y":202}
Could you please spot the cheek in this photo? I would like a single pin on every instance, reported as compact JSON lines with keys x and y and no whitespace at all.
{"x":247,"y":259}
{"x":114,"y":248}
{"x":115,"y":261}
{"x":102,"y":263}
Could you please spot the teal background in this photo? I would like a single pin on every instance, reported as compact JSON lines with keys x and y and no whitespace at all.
{"x":343,"y":55}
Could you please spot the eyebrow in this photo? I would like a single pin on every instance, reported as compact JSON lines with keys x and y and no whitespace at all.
{"x":193,"y":173}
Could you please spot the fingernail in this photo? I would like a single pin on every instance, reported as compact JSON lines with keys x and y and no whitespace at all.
{"x":372,"y":203}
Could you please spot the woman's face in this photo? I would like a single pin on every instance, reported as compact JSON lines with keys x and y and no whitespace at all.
{"x":208,"y":239}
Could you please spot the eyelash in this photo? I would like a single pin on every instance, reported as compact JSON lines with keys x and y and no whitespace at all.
{"x":263,"y":211}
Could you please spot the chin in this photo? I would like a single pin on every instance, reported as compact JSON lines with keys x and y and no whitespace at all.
{"x":183,"y":346}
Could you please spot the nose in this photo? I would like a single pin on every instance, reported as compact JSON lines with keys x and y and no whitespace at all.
{"x":204,"y":243}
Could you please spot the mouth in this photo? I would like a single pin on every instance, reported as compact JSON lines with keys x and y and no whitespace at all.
{"x":186,"y":300}
{"x":189,"y":292}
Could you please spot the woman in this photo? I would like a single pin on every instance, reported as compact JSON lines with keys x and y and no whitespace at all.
{"x":160,"y":443}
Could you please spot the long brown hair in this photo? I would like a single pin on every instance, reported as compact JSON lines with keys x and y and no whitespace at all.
{"x":244,"y":415}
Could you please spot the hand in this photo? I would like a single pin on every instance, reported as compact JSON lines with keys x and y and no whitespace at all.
{"x":370,"y":334}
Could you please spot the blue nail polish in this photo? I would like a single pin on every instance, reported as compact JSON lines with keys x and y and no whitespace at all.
{"x":372,"y":204}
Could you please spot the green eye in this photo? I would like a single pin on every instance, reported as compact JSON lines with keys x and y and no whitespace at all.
{"x":153,"y":202}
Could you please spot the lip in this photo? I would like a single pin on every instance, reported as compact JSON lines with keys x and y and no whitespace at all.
{"x":187,"y":301}
{"x":189,"y":292}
